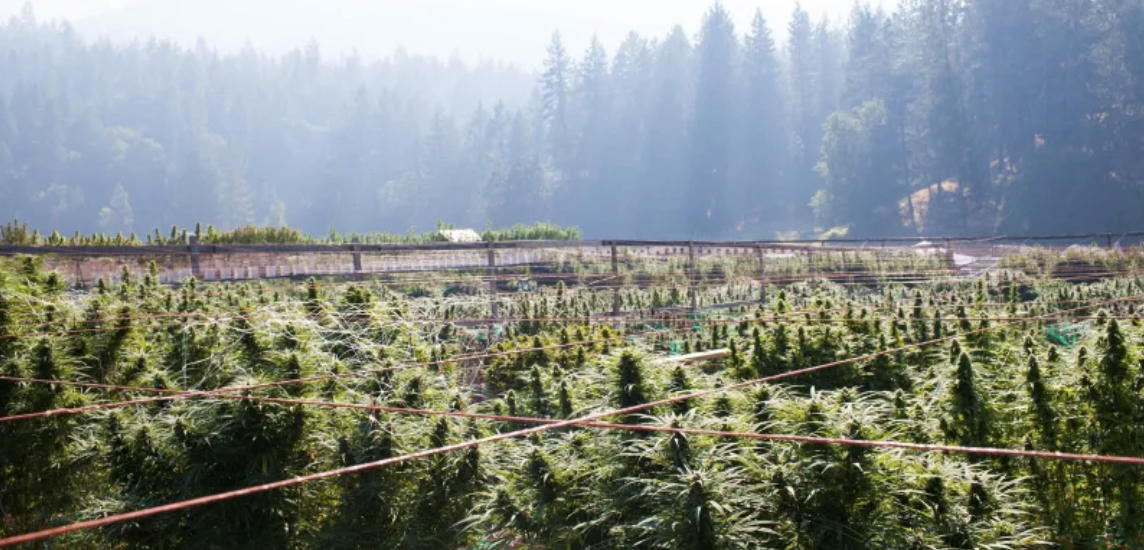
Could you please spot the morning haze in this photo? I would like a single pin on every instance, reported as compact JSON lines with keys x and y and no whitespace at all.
{"x":508,"y":30}
{"x":928,"y":117}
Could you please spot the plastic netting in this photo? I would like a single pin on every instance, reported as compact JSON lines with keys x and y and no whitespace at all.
{"x":1066,"y":334}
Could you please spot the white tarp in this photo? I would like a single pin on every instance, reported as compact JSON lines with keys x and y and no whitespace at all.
{"x":461,"y":235}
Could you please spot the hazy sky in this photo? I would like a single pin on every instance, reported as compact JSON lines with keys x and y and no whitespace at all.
{"x":511,"y":30}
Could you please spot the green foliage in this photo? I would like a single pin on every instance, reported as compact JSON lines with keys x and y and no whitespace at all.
{"x":574,"y":488}
{"x":970,"y":420}
{"x":17,"y":233}
{"x":932,"y":118}
{"x":631,"y":382}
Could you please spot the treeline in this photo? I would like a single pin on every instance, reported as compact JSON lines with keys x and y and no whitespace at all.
{"x":944,"y":116}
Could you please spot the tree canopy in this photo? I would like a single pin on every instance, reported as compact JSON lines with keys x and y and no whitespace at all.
{"x":1001,"y":116}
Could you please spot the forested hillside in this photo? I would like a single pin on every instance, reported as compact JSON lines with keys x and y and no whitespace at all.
{"x":945,"y":116}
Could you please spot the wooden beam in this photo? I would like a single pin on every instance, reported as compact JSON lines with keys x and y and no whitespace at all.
{"x":794,"y":245}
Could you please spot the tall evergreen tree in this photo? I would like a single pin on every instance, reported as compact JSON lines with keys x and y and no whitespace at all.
{"x":945,"y":150}
{"x":593,"y":132}
{"x":629,"y":144}
{"x":870,"y":59}
{"x":713,"y":125}
{"x":667,"y":144}
{"x":516,"y":184}
{"x":556,"y":92}
{"x":829,"y":53}
{"x":441,"y":164}
{"x":806,"y":134}
{"x":861,"y":186}
{"x":762,"y":150}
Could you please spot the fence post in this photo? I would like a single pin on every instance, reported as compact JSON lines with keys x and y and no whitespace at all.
{"x":949,"y":260}
{"x":615,"y":282}
{"x":762,"y":275}
{"x":1108,"y":238}
{"x":810,"y":263}
{"x":357,"y":261}
{"x":493,"y":283}
{"x":79,"y":274}
{"x":196,"y":269}
{"x":691,"y":277}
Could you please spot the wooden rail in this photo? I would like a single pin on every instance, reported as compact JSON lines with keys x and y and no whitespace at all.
{"x":353,"y":248}
{"x":215,"y":262}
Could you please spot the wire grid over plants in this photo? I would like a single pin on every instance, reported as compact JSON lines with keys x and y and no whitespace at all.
{"x":856,"y":396}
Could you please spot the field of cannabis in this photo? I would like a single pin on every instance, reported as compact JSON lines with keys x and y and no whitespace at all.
{"x":132,"y":395}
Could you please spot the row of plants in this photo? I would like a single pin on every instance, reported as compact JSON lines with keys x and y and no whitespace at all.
{"x":1011,"y":386}
{"x":19,"y":234}
{"x":1076,"y":261}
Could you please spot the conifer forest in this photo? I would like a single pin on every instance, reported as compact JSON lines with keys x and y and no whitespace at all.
{"x":240,"y":309}
{"x":949,"y":117}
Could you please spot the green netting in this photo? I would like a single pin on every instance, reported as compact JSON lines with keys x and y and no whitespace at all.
{"x":696,"y":324}
{"x":1066,"y":334}
{"x":498,"y":333}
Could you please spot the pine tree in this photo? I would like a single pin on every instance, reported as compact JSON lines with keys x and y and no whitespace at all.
{"x":828,"y":49}
{"x":762,"y":151}
{"x":870,"y":60}
{"x":592,"y":133}
{"x":805,"y":118}
{"x":629,"y":135}
{"x":665,"y":158}
{"x":555,"y":91}
{"x":948,"y":150}
{"x":714,"y":123}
